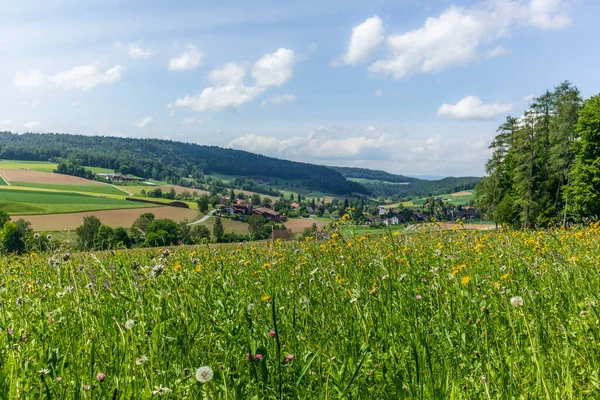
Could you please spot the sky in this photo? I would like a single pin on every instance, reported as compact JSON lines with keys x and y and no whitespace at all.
{"x":414,"y":87}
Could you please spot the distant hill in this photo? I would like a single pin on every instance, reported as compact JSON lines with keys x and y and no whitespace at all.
{"x":422,"y":188}
{"x":168,"y":160}
{"x":363,"y":173}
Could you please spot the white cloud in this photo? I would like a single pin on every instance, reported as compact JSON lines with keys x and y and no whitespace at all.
{"x":32,"y":125}
{"x":378,"y":92}
{"x":497,"y":52}
{"x":472,"y":108}
{"x":192,"y":120}
{"x":144,"y":122}
{"x":135,"y":50}
{"x":222,"y":98}
{"x":228,"y":74}
{"x":230,"y":92}
{"x":274,"y":69}
{"x":279,"y":99}
{"x":189,"y":60}
{"x":29,"y":80}
{"x":324,"y":144}
{"x":6,"y":125}
{"x":529,"y":98}
{"x":86,"y":77}
{"x":364,"y":42}
{"x":459,"y":35}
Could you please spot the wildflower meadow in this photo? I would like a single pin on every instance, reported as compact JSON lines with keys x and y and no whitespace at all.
{"x":431,"y":315}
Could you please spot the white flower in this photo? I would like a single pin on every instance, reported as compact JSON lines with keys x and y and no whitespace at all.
{"x":141,"y":360}
{"x":303,"y":300}
{"x":129,"y":324}
{"x":314,"y":271}
{"x":43,"y":371}
{"x":516,"y":301}
{"x":204,"y":374}
{"x":251,"y":307}
{"x":161,"y":391}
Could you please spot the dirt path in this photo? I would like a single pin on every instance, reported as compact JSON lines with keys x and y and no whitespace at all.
{"x":203,"y":219}
{"x":122,"y":190}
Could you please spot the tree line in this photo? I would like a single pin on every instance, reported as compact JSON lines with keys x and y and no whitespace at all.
{"x":166,"y":160}
{"x":545,"y":165}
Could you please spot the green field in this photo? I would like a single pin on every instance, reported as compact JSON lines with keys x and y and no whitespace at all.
{"x":100,"y":189}
{"x":239,"y":228}
{"x":3,"y":182}
{"x":33,"y":165}
{"x":433,"y":315}
{"x":31,"y":202}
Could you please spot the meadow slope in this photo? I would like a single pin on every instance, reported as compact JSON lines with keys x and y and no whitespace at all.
{"x":435,"y":314}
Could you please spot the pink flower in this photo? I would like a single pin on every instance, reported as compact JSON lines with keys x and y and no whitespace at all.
{"x":258,"y":357}
{"x":10,"y":331}
{"x":289,"y":357}
{"x":100,"y":377}
{"x":59,"y":378}
{"x":418,"y":297}
{"x":86,"y":387}
{"x":248,"y":356}
{"x":272,"y":333}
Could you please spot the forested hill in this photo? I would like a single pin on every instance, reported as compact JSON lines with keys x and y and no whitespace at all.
{"x":168,"y":160}
{"x":363,"y":173}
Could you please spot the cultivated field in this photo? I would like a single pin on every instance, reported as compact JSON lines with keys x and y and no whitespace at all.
{"x":237,"y":227}
{"x":297,"y":225}
{"x":113,"y":218}
{"x":29,"y":202}
{"x":450,"y":315}
{"x":30,"y":176}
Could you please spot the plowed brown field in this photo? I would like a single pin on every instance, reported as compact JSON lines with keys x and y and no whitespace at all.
{"x":113,"y":218}
{"x":24,"y":175}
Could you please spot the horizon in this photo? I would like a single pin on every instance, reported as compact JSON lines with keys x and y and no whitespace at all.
{"x":411,"y":88}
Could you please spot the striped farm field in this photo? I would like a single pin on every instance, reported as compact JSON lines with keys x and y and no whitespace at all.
{"x":113,"y":218}
{"x":30,"y":202}
{"x":30,"y":176}
{"x":100,"y":189}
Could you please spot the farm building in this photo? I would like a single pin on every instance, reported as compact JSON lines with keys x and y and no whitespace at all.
{"x":270,"y":214}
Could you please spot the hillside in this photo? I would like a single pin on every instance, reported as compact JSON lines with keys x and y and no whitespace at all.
{"x":167,"y":160}
{"x":376,"y":175}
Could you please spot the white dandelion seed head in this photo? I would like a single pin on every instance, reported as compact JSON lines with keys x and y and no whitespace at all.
{"x":129,"y":324}
{"x":141,"y":360}
{"x":204,"y":374}
{"x":516,"y":301}
{"x":251,"y":307}
{"x":303,"y":300}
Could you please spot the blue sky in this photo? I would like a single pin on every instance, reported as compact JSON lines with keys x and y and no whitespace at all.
{"x":408,"y":86}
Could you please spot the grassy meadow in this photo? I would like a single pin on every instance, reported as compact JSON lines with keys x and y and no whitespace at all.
{"x":30,"y":202}
{"x":99,"y":189}
{"x":433,"y":315}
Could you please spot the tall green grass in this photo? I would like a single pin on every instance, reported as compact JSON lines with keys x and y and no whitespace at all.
{"x":434,"y":315}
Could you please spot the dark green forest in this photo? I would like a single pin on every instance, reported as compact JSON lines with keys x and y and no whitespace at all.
{"x":363,"y":173}
{"x":545,"y":165}
{"x":168,"y":160}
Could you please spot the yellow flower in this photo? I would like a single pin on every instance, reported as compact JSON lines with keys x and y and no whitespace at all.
{"x":198,"y":268}
{"x":178,"y":267}
{"x":465,"y":281}
{"x":345,"y":217}
{"x":373,"y":288}
{"x":266,"y":297}
{"x":505,"y":276}
{"x":266,"y":266}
